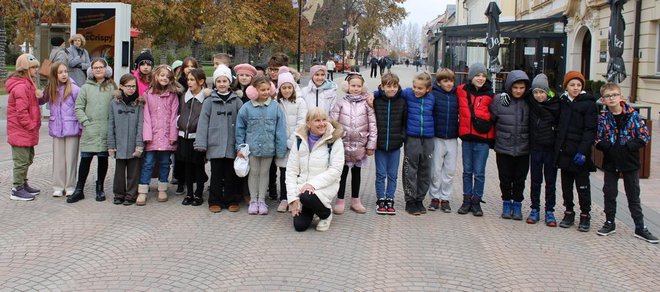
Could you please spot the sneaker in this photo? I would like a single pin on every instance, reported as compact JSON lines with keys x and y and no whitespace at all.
{"x":411,"y":208}
{"x":263,"y":208}
{"x":645,"y":235}
{"x":420,"y":207}
{"x":533,"y":216}
{"x":568,"y":221}
{"x":381,"y":208}
{"x":30,"y":189}
{"x":389,"y":203}
{"x":118,"y":201}
{"x":253,"y":208}
{"x":20,"y":194}
{"x":466,"y":206}
{"x":550,"y":220}
{"x":444,"y":206}
{"x":283,"y":206}
{"x":180,"y":189}
{"x":58,"y":194}
{"x":607,"y":229}
{"x":435,"y":204}
{"x":128,"y":202}
{"x":324,"y":224}
{"x":585,"y":223}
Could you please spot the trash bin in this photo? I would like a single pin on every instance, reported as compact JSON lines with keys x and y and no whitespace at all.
{"x":644,"y":153}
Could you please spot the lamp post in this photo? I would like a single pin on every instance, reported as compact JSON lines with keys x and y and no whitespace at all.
{"x":343,"y":51}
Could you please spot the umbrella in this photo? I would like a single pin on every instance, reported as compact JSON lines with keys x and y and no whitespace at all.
{"x":616,"y":69}
{"x":493,"y":37}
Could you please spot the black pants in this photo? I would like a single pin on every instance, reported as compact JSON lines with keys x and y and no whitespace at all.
{"x":194,"y":173}
{"x":541,"y":166}
{"x":374,"y":72}
{"x":127,"y":177}
{"x":330,"y":77}
{"x":224,"y":183}
{"x":283,"y":192}
{"x":417,"y":157}
{"x":311,"y":205}
{"x":631,"y":185}
{"x":83,"y":169}
{"x":512,"y":172}
{"x":355,"y":182}
{"x":272,"y":180}
{"x":583,"y":186}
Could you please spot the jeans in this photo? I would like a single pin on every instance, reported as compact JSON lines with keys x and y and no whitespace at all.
{"x":541,"y":165}
{"x":611,"y":190}
{"x":387,"y":167}
{"x":311,"y":205}
{"x":475,"y":155}
{"x":150,"y":158}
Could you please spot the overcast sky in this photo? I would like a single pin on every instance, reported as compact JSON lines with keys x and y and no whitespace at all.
{"x":423,"y":11}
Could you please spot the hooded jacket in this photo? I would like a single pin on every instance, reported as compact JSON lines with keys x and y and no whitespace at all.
{"x":543,"y":123}
{"x":577,"y":131}
{"x":621,"y":142}
{"x":23,"y":113}
{"x":481,"y":99}
{"x":512,"y":121}
{"x":92,"y":111}
{"x":359,"y":124}
{"x":318,"y":166}
{"x":160,"y":113}
{"x":295,"y":113}
{"x":445,"y":112}
{"x":391,"y":116}
{"x":216,"y":128}
{"x":125,"y":126}
{"x":323,"y":96}
{"x":62,"y":121}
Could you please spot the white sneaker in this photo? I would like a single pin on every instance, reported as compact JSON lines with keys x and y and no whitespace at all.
{"x":324,"y":224}
{"x":283,"y":207}
{"x":58,"y":193}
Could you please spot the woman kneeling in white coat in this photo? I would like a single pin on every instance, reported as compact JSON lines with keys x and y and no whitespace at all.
{"x":313,"y":171}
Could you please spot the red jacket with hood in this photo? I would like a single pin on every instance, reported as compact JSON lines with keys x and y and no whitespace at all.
{"x":481,"y":99}
{"x":23,"y":113}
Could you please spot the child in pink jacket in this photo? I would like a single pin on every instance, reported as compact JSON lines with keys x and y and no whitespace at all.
{"x":159,"y":132}
{"x":359,"y":123}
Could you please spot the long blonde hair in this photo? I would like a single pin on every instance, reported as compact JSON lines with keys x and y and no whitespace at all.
{"x":54,"y":83}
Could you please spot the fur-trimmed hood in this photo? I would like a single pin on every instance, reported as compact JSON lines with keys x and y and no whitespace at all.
{"x":333,"y":132}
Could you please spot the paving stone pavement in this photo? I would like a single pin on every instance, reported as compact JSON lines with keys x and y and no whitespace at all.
{"x":47,"y":244}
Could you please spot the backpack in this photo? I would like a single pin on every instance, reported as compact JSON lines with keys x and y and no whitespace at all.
{"x":298,"y":141}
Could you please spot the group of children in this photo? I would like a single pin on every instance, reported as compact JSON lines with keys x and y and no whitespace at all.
{"x":150,"y":118}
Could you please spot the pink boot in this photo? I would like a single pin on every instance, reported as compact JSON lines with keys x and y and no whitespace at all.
{"x":356,"y":205}
{"x":339,"y":206}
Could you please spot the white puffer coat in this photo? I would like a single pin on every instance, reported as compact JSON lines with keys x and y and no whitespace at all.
{"x":321,"y":167}
{"x":323,"y":96}
{"x":295,"y":113}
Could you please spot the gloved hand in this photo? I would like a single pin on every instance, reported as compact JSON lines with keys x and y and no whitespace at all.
{"x":505,"y":99}
{"x":138,"y":152}
{"x":579,"y":159}
{"x":112,"y":152}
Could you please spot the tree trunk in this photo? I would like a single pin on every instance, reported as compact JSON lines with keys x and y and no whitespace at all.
{"x":3,"y":40}
{"x":196,"y":49}
{"x":36,"y":45}
{"x":241,"y":55}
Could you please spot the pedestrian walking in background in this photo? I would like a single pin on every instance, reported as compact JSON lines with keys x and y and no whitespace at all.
{"x":262,"y":125}
{"x":418,"y":148}
{"x":125,"y":139}
{"x":63,"y":126}
{"x":374,"y":67}
{"x":59,"y":53}
{"x":295,"y":111}
{"x":577,"y":133}
{"x":313,"y":171}
{"x":477,"y":135}
{"x":510,"y":115}
{"x":543,"y":122}
{"x":159,"y":132}
{"x":445,"y":142}
{"x":78,"y":59}
{"x":359,"y":124}
{"x":391,"y":116}
{"x":23,"y":123}
{"x":621,"y":134}
{"x":330,"y":64}
{"x":216,"y":136}
{"x":92,"y":111}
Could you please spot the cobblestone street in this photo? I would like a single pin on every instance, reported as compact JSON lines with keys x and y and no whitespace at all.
{"x":48,"y":244}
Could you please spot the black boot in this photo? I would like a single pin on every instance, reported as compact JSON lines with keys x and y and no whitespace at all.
{"x":465,"y":208}
{"x":198,"y":198}
{"x":78,"y":193}
{"x":100,"y":195}
{"x":569,"y":219}
{"x":188,"y":199}
{"x":476,"y":206}
{"x":585,"y":222}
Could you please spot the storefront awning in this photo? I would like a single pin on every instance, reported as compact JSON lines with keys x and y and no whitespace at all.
{"x":511,"y":29}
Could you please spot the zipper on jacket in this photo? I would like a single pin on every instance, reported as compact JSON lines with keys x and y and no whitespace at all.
{"x":421,"y":116}
{"x":192,"y":103}
{"x":447,"y":123}
{"x":317,"y":97}
{"x":387,"y":136}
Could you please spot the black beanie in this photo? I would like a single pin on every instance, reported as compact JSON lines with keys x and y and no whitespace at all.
{"x":56,"y":41}
{"x":144,"y":56}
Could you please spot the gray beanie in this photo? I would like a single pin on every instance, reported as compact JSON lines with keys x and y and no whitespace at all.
{"x":475,"y":69}
{"x":541,"y":82}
